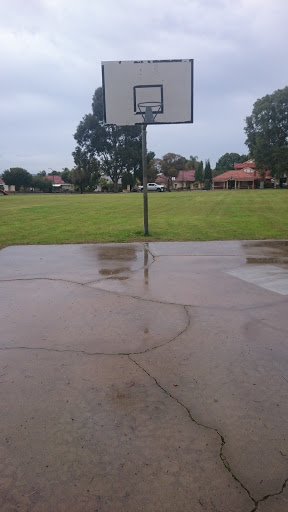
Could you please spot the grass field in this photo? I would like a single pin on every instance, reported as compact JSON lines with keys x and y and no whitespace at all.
{"x":181,"y":216}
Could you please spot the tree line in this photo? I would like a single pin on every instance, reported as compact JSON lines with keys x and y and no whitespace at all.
{"x":88,"y":178}
{"x":115,"y":151}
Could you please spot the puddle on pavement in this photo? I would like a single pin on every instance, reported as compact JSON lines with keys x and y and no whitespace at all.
{"x":115,"y":252}
{"x":268,"y":261}
{"x":116,"y":262}
{"x":119,"y":278}
{"x":112,"y":272}
{"x":271,"y":246}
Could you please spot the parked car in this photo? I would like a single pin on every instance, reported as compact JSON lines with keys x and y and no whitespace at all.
{"x":152,"y":187}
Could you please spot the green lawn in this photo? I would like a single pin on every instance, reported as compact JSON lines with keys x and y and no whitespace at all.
{"x":213,"y":215}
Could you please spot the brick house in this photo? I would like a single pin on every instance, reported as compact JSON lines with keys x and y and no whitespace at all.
{"x":243,"y":176}
{"x":161,"y":180}
{"x":184,"y":180}
{"x":58,"y":184}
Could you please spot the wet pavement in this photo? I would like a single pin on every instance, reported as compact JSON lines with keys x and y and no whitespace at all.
{"x":144,"y":377}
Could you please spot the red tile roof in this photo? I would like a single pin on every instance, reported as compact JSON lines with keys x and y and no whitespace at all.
{"x":188,"y":175}
{"x":249,"y":163}
{"x":237,"y":175}
{"x":161,"y":179}
{"x":57,"y":180}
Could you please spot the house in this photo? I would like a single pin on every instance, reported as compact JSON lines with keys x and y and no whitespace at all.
{"x":243,"y":176}
{"x":249,"y":166}
{"x":58,"y":184}
{"x":184,"y":180}
{"x":6,"y":188}
{"x":162,"y":180}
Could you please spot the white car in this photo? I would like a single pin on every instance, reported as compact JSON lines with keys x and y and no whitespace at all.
{"x":152,"y":187}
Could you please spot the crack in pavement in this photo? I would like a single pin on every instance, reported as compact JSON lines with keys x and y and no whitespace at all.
{"x":71,"y":350}
{"x":47,"y":349}
{"x":87,"y":284}
{"x":129,"y":356}
{"x":120,"y":294}
{"x":270,"y":496}
{"x":41,"y":279}
{"x":84,"y":283}
{"x":198,"y":255}
{"x":222,"y":439}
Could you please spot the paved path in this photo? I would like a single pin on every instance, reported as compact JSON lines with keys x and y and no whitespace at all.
{"x":144,"y":377}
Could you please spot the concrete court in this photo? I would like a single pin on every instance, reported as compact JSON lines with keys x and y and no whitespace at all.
{"x":144,"y":377}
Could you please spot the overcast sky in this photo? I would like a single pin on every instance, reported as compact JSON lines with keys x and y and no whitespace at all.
{"x":50,"y":65}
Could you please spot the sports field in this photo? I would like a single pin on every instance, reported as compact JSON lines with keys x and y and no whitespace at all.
{"x":178,"y":216}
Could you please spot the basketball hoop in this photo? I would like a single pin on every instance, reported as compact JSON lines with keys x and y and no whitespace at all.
{"x":147,"y":92}
{"x":149,"y":110}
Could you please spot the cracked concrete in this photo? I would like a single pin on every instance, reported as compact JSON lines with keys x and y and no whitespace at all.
{"x":143,"y":377}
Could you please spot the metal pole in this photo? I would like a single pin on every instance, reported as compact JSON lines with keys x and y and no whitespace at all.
{"x":144,"y":165}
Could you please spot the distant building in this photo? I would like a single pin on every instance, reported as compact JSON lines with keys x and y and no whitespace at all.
{"x":58,"y":184}
{"x":6,"y":188}
{"x":184,"y":180}
{"x":161,"y":180}
{"x":243,"y":176}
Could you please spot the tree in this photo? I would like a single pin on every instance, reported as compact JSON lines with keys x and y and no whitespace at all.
{"x":226,"y":162}
{"x":80,"y":178}
{"x":40,"y":183}
{"x":104,"y":184}
{"x":192,"y":162}
{"x":207,"y":175}
{"x":171,"y":165}
{"x":267,"y":132}
{"x":66,"y":175}
{"x":199,"y":172}
{"x":18,"y":177}
{"x":154,"y":167}
{"x":54,"y":173}
{"x":87,"y":171}
{"x":117,"y":148}
{"x":127,"y":179}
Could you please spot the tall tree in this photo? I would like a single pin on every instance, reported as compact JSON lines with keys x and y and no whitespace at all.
{"x":66,"y":175}
{"x":171,"y":165}
{"x":18,"y":177}
{"x":226,"y":162}
{"x":80,"y":178}
{"x":154,"y":167}
{"x":87,"y":170}
{"x":41,"y":183}
{"x":199,"y":177}
{"x":267,"y":132}
{"x":207,"y":174}
{"x":117,"y":148}
{"x":192,"y":162}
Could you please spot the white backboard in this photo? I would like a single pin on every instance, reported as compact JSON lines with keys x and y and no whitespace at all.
{"x":164,"y":86}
